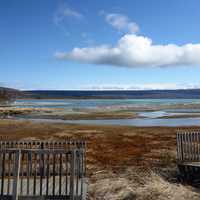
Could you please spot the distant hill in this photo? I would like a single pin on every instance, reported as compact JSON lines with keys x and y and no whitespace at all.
{"x":145,"y":94}
{"x":8,"y":94}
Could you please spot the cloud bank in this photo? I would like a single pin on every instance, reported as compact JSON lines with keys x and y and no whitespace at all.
{"x":149,"y":86}
{"x":136,"y":51}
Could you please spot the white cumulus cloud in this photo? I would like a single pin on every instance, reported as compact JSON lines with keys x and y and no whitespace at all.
{"x":136,"y":51}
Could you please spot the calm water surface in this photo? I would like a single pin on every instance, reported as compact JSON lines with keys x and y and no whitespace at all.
{"x":147,"y":122}
{"x":99,"y":103}
{"x":149,"y":118}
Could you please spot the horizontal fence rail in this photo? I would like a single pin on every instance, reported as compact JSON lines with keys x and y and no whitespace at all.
{"x":38,"y":144}
{"x":188,"y":146}
{"x":54,"y":173}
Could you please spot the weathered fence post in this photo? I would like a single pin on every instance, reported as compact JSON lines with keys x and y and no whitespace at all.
{"x":17,"y":173}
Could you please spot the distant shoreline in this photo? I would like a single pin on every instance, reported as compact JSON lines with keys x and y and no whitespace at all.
{"x":103,"y":94}
{"x":95,"y":98}
{"x":111,"y":94}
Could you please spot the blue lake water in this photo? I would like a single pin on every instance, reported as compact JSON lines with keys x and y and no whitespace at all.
{"x":142,"y":122}
{"x":98,"y":103}
{"x":147,"y":122}
{"x":148,"y":118}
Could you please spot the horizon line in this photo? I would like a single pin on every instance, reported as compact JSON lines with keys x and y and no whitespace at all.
{"x":108,"y":89}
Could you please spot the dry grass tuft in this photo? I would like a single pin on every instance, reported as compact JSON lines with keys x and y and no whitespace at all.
{"x":137,"y":184}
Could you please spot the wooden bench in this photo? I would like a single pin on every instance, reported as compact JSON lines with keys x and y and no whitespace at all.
{"x":188,"y":155}
{"x":42,"y":170}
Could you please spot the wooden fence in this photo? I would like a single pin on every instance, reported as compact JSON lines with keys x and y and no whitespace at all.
{"x":188,"y":146}
{"x":42,"y":170}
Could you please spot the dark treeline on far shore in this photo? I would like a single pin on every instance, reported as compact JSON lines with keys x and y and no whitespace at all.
{"x":113,"y":94}
{"x":8,"y":94}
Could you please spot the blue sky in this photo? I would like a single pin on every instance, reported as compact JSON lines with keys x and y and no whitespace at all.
{"x":122,"y":44}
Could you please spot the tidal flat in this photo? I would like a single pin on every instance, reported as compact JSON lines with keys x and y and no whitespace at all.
{"x":102,"y":109}
{"x":59,"y":113}
{"x":123,"y":162}
{"x":103,"y":113}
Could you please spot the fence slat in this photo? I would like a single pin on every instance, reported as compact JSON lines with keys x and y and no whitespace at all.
{"x":2,"y":174}
{"x":72,"y":175}
{"x":17,"y":173}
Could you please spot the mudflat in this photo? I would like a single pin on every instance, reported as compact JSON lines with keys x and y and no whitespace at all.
{"x":122,"y":162}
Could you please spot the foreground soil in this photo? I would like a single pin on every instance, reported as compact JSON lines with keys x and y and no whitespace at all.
{"x":123,"y":162}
